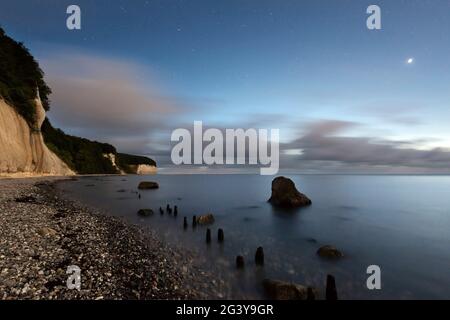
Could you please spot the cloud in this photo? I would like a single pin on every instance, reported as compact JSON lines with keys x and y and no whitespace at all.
{"x":324,"y":144}
{"x":116,"y":101}
{"x":110,"y":100}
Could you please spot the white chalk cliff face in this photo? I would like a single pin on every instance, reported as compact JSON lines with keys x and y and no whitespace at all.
{"x":145,"y":169}
{"x":112,"y":157}
{"x":22,"y":149}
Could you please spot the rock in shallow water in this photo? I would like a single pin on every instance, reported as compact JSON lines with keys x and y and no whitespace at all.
{"x":280,"y":290}
{"x":205,"y":219}
{"x":145,"y":212}
{"x":329,"y":252}
{"x":286,"y":195}
{"x":144,"y":185}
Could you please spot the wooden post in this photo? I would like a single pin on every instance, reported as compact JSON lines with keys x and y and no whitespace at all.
{"x":240,"y":262}
{"x":220,"y":235}
{"x":331,"y":292}
{"x":185,"y":224}
{"x":194,"y":221}
{"x":310,"y":294}
{"x":208,"y":235}
{"x":259,"y":256}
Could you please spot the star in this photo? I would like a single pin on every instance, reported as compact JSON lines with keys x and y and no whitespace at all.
{"x":410,"y":61}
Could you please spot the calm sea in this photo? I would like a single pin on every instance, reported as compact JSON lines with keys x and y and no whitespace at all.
{"x":400,"y":223}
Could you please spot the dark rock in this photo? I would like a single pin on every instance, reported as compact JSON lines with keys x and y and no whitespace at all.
{"x":220,"y":235}
{"x":240,"y":262}
{"x":286,"y":195}
{"x":26,"y":199}
{"x":145,"y":212}
{"x":259,"y":256}
{"x":169,"y":209}
{"x":145,"y":185}
{"x":280,"y":290}
{"x":329,"y":252}
{"x":331,"y":292}
{"x":161,"y":211}
{"x":205,"y":219}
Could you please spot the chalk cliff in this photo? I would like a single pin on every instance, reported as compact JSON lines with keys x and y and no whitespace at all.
{"x":22,"y":148}
{"x":29,"y":144}
{"x":145,"y":169}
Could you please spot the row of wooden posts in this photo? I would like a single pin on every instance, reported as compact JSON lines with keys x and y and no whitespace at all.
{"x":330,"y":294}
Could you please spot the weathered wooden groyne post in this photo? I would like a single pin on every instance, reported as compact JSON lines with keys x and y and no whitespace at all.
{"x":194,"y":221}
{"x":259,"y":256}
{"x":185,"y":223}
{"x":175,"y":211}
{"x":208,"y":235}
{"x":240,"y":262}
{"x":310,"y":295}
{"x":161,"y":211}
{"x":331,"y":292}
{"x":220,"y":235}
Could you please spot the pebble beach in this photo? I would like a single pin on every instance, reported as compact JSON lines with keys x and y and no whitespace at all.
{"x":42,"y":234}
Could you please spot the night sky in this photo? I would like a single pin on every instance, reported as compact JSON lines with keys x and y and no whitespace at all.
{"x":346,"y":99}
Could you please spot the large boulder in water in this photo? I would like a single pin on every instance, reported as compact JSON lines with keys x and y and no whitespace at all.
{"x":285,"y":194}
{"x":329,"y":252}
{"x":144,"y":185}
{"x":280,"y":290}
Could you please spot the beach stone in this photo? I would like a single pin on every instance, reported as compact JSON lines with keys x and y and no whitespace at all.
{"x":145,"y":212}
{"x":47,"y":232}
{"x":205,"y":219}
{"x":26,"y":199}
{"x":329,"y":252}
{"x":145,"y":185}
{"x":286,"y":195}
{"x":281,"y":290}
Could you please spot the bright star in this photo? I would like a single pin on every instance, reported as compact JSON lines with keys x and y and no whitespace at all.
{"x":410,"y":61}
